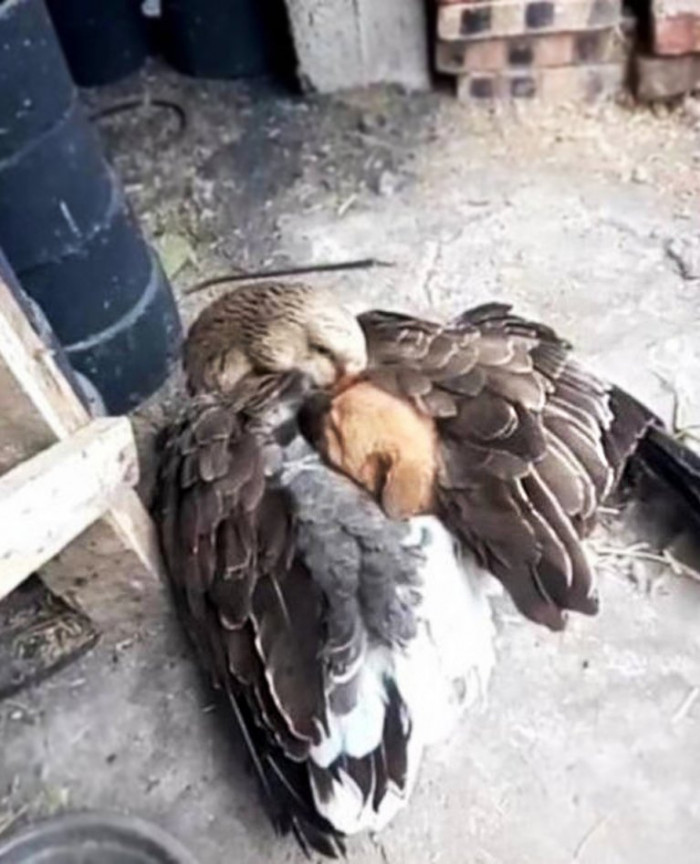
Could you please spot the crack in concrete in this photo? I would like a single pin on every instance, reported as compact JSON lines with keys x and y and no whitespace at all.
{"x":434,"y":255}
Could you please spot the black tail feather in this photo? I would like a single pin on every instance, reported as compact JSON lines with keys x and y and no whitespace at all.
{"x":674,"y":464}
{"x":284,"y":784}
{"x":631,"y":422}
{"x":663,"y":477}
{"x":285,"y":787}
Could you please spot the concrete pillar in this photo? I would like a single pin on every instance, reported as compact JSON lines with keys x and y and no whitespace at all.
{"x":342,"y":44}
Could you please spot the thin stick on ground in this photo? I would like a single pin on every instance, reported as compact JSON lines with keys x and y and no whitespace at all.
{"x":641,"y":552}
{"x":588,"y":836}
{"x":7,"y":820}
{"x":230,"y":278}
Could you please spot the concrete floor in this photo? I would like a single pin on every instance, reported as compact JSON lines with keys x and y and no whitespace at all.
{"x":588,"y":749}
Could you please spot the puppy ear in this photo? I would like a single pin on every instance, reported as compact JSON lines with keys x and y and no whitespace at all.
{"x":312,"y":415}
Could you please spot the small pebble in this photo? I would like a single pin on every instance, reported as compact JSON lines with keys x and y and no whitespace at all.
{"x":639,"y":175}
{"x":386,"y":184}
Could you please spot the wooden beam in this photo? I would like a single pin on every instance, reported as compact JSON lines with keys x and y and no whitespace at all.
{"x":35,"y":369}
{"x":47,"y":501}
{"x":39,"y":405}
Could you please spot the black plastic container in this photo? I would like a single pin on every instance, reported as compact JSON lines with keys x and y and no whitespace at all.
{"x":54,"y":192}
{"x":90,"y":288}
{"x":104,"y":40}
{"x":93,"y":838}
{"x":35,"y":87}
{"x":227,"y":38}
{"x":65,"y":227}
{"x":130,"y":359}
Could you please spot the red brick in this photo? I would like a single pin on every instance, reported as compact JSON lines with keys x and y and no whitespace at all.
{"x":586,"y":83}
{"x":675,"y":26}
{"x":675,"y":35}
{"x":554,"y":49}
{"x":666,"y":77}
{"x":482,"y":19}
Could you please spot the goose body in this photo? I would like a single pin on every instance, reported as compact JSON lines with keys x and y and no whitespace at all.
{"x":334,"y":502}
{"x":349,"y":640}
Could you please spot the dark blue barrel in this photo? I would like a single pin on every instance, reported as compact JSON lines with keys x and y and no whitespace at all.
{"x":103,"y":40}
{"x":55,"y":189}
{"x":230,"y":39}
{"x":35,"y":87}
{"x":67,"y":230}
{"x":114,"y":264}
{"x":136,"y":353}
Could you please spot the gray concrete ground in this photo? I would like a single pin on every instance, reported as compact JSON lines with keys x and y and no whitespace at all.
{"x":588,"y":749}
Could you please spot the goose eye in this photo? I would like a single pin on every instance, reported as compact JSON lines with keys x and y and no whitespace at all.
{"x":322,"y":350}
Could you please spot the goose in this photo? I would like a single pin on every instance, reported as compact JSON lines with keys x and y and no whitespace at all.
{"x":340,"y":498}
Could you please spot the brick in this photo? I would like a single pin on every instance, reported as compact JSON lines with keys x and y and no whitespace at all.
{"x":666,"y":77}
{"x":497,"y":18}
{"x":554,"y":49}
{"x":586,"y":83}
{"x":678,"y":34}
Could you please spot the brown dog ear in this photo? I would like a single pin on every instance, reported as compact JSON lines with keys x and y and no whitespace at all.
{"x":312,"y":416}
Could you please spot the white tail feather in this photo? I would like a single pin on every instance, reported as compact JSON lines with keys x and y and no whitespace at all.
{"x":451,"y":660}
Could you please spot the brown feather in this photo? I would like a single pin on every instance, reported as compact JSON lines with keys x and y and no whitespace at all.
{"x":495,"y":350}
{"x":294,"y":748}
{"x":459,"y":363}
{"x":189,"y":469}
{"x":441,"y":351}
{"x":574,"y":470}
{"x":562,"y":477}
{"x":590,"y":408}
{"x":287,"y":615}
{"x":413,"y":383}
{"x":484,"y":419}
{"x":525,"y":455}
{"x":581,"y":597}
{"x":469,"y":384}
{"x":528,"y":390}
{"x":243,"y":661}
{"x":438,"y":403}
{"x":592,"y":457}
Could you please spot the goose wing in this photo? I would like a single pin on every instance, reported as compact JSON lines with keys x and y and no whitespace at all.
{"x":300,"y":597}
{"x":530,"y":444}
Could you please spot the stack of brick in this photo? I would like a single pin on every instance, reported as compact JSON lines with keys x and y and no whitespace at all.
{"x":672,"y":67}
{"x":520,"y":50}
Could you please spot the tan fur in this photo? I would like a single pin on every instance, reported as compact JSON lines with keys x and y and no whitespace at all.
{"x":385,"y":445}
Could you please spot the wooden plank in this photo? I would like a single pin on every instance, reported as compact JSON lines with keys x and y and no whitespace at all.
{"x":47,"y":501}
{"x":38,"y":405}
{"x":34,"y":367}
